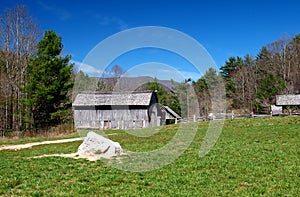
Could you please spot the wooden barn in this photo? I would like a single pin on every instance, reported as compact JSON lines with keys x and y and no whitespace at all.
{"x":169,"y":116}
{"x":116,"y":110}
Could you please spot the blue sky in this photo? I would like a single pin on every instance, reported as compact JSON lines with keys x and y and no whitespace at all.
{"x":223,"y":28}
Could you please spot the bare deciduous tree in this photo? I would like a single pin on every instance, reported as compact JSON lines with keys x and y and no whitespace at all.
{"x":244,"y":81}
{"x":117,"y":71}
{"x":18,"y":39}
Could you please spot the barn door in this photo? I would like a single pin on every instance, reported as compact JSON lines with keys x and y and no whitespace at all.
{"x":107,"y":124}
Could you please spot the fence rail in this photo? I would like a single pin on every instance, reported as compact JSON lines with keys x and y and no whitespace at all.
{"x":228,"y":116}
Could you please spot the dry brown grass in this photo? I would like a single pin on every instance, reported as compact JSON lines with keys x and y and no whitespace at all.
{"x":53,"y":132}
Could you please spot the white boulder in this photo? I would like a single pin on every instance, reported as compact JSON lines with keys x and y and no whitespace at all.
{"x":94,"y":143}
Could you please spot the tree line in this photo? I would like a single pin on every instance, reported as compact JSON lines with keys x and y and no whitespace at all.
{"x":35,"y":79}
{"x":252,"y":83}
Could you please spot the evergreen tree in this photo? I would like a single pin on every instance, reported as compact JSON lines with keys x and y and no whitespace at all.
{"x":161,"y":92}
{"x":264,"y":65}
{"x":267,"y":89}
{"x":164,"y":98}
{"x":211,"y":78}
{"x":49,"y":82}
{"x":227,"y":71}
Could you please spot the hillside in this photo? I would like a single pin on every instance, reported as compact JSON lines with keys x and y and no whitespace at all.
{"x":135,"y":83}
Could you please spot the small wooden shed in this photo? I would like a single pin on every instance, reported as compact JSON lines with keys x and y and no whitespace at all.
{"x":169,"y":116}
{"x":288,"y":101}
{"x":116,"y":110}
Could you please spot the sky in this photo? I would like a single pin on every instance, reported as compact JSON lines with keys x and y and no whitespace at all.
{"x":222,"y":28}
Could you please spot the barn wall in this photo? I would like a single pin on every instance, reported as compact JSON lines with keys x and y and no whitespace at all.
{"x":115,"y":118}
{"x":154,"y":112}
{"x":169,"y":116}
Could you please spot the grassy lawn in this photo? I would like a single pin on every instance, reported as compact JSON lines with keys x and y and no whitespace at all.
{"x":253,"y":157}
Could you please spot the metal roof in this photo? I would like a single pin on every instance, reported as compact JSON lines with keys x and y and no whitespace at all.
{"x":170,"y":111}
{"x":113,"y":98}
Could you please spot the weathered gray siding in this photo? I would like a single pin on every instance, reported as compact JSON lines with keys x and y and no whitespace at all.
{"x":288,"y":99}
{"x":115,"y":119}
{"x":169,"y":114}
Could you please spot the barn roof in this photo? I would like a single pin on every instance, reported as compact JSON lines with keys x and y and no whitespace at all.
{"x":113,"y":98}
{"x":170,"y":111}
{"x":290,"y":99}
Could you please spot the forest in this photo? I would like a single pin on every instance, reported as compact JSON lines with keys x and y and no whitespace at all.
{"x":251,"y":82}
{"x":36,"y":80}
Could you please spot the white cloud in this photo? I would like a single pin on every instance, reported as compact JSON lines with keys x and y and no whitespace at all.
{"x":151,"y":69}
{"x":61,"y":13}
{"x":105,"y":21}
{"x":88,"y":69}
{"x":161,"y":71}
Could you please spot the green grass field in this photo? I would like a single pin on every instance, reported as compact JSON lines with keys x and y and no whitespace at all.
{"x":253,"y":157}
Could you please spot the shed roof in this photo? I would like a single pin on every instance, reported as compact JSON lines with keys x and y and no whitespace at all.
{"x":113,"y":98}
{"x":289,"y":99}
{"x":170,"y":111}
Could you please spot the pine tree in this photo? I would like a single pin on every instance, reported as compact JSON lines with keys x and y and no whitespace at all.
{"x":164,"y":98}
{"x":227,"y":71}
{"x":49,"y":82}
{"x":267,"y":89}
{"x":161,"y":92}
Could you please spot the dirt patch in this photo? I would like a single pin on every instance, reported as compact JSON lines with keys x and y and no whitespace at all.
{"x":90,"y":157}
{"x":29,"y":145}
